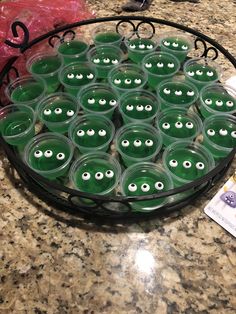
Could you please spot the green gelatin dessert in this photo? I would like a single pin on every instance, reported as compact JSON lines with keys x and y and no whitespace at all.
{"x":178,"y":124}
{"x":72,"y":51}
{"x":143,"y":179}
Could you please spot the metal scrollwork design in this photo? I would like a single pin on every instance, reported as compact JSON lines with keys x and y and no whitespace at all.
{"x":149,"y":24}
{"x":206,"y":49}
{"x":25,"y":40}
{"x":61,"y":38}
{"x":124,"y":22}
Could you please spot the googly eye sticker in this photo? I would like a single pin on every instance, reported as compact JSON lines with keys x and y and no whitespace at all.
{"x":141,"y":46}
{"x":102,"y":133}
{"x":102,"y":102}
{"x":160,"y":64}
{"x":219,"y":103}
{"x":90,"y":76}
{"x":139,"y":108}
{"x":90,"y":132}
{"x":173,"y":163}
{"x":166,"y":126}
{"x":171,"y":65}
{"x":148,"y":108}
{"x":58,"y":111}
{"x":229,"y":103}
{"x":166,"y":43}
{"x":129,"y":107}
{"x":47,"y":112}
{"x":132,"y":187}
{"x":187,"y":164}
{"x":233,"y":134}
{"x":184,"y":47}
{"x":91,"y":101}
{"x":80,"y":133}
{"x":60,"y":156}
{"x":109,"y":174}
{"x":117,"y":81}
{"x":199,"y":72}
{"x":137,"y":143}
{"x":178,"y":125}
{"x":114,"y":61}
{"x":175,"y":45}
{"x":48,"y":153}
{"x":38,"y":154}
{"x":191,"y":73}
{"x":223,"y":132}
{"x":178,"y":93}
{"x":79,"y":76}
{"x":159,"y":186}
{"x":145,"y":187}
{"x":128,"y":81}
{"x":106,"y":60}
{"x":149,"y":143}
{"x":70,"y":76}
{"x":132,"y":46}
{"x":86,"y":176}
{"x":99,"y":176}
{"x":96,"y":61}
{"x":210,"y":73}
{"x":137,"y":81}
{"x":190,"y":93}
{"x":125,"y":143}
{"x":200,"y":165}
{"x":166,"y":91}
{"x":70,"y":113}
{"x":208,"y":102}
{"x":150,"y":46}
{"x":112,"y":102}
{"x":211,"y":132}
{"x":189,"y":125}
{"x":148,"y":65}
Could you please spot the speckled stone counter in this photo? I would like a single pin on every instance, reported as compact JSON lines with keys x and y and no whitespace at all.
{"x":54,"y":263}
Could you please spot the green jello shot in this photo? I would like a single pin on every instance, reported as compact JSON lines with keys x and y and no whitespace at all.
{"x":105,"y":58}
{"x":219,"y":135}
{"x":136,"y":142}
{"x":47,"y":67}
{"x":143,"y":179}
{"x":187,"y":161}
{"x":139,"y":44}
{"x":126,"y":77}
{"x":160,"y":66}
{"x":139,"y":106}
{"x":57,"y":111}
{"x":49,"y":154}
{"x":91,"y":133}
{"x":99,"y":99}
{"x":73,"y":51}
{"x":17,"y":124}
{"x":26,"y":90}
{"x":177,"y":44}
{"x":76,"y":75}
{"x":177,"y":93}
{"x":217,"y":98}
{"x":106,"y":34}
{"x":96,"y":173}
{"x":177,"y":124}
{"x":201,"y":72}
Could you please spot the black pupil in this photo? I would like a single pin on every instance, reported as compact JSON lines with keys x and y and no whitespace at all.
{"x":60,"y":155}
{"x":108,"y":172}
{"x":148,"y":141}
{"x":98,"y":174}
{"x":187,"y":163}
{"x":174,"y":161}
{"x":85,"y":174}
{"x":159,"y":185}
{"x":144,"y":186}
{"x":132,"y":185}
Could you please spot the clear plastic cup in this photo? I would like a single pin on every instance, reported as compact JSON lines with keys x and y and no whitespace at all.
{"x":17,"y":124}
{"x":146,"y":178}
{"x":47,"y":67}
{"x":99,"y":99}
{"x":139,"y":106}
{"x":57,"y":111}
{"x":105,"y":58}
{"x":217,"y":98}
{"x":137,"y":142}
{"x":160,"y":66}
{"x":139,"y":44}
{"x":73,"y":50}
{"x":91,"y":132}
{"x":49,"y":154}
{"x":125,"y":77}
{"x":76,"y":75}
{"x":177,"y":93}
{"x":219,"y":135}
{"x":202,"y":72}
{"x":186,"y":161}
{"x":176,"y":43}
{"x":96,"y":173}
{"x":106,"y":34}
{"x":26,"y":90}
{"x":178,"y":124}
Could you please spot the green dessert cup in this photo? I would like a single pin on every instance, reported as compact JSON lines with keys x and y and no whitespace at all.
{"x":73,"y":51}
{"x":106,"y":34}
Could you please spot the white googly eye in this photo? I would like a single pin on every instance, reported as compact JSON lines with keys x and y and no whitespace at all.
{"x":190,"y":73}
{"x":175,"y":45}
{"x":125,"y":143}
{"x":171,"y":65}
{"x":184,"y":47}
{"x":137,"y":143}
{"x":109,"y":174}
{"x":79,"y":76}
{"x":117,"y":81}
{"x":128,"y":81}
{"x":48,"y":153}
{"x":58,"y":111}
{"x":102,"y":102}
{"x":114,"y":61}
{"x":47,"y":112}
{"x":99,"y":176}
{"x":150,"y":46}
{"x":149,"y":143}
{"x":91,"y":101}
{"x":159,"y":186}
{"x":166,"y":91}
{"x":229,"y":103}
{"x":130,"y":107}
{"x":208,"y":102}
{"x":187,"y":164}
{"x":148,"y":65}
{"x":199,"y":72}
{"x":211,"y":132}
{"x":223,"y":132}
{"x":90,"y":76}
{"x":96,"y":61}
{"x":178,"y":125}
{"x":145,"y":187}
{"x":190,"y":93}
{"x":166,"y":43}
{"x":38,"y":154}
{"x":137,"y":81}
{"x":60,"y":156}
{"x":80,"y":133}
{"x":166,"y":125}
{"x":219,"y":103}
{"x":233,"y":134}
{"x":86,"y":176}
{"x":178,"y":92}
{"x":200,"y":165}
{"x":132,"y":187}
{"x":70,"y":113}
{"x":139,"y":108}
{"x":173,"y":163}
{"x":189,"y":125}
{"x":132,"y":46}
{"x":70,"y":76}
{"x":210,"y":73}
{"x":141,"y":46}
{"x":148,"y":108}
{"x":106,"y":60}
{"x":160,"y":64}
{"x":112,"y":102}
{"x":90,"y":132}
{"x":102,"y":132}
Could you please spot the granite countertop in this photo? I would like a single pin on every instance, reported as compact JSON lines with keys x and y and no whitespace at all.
{"x":54,"y":263}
